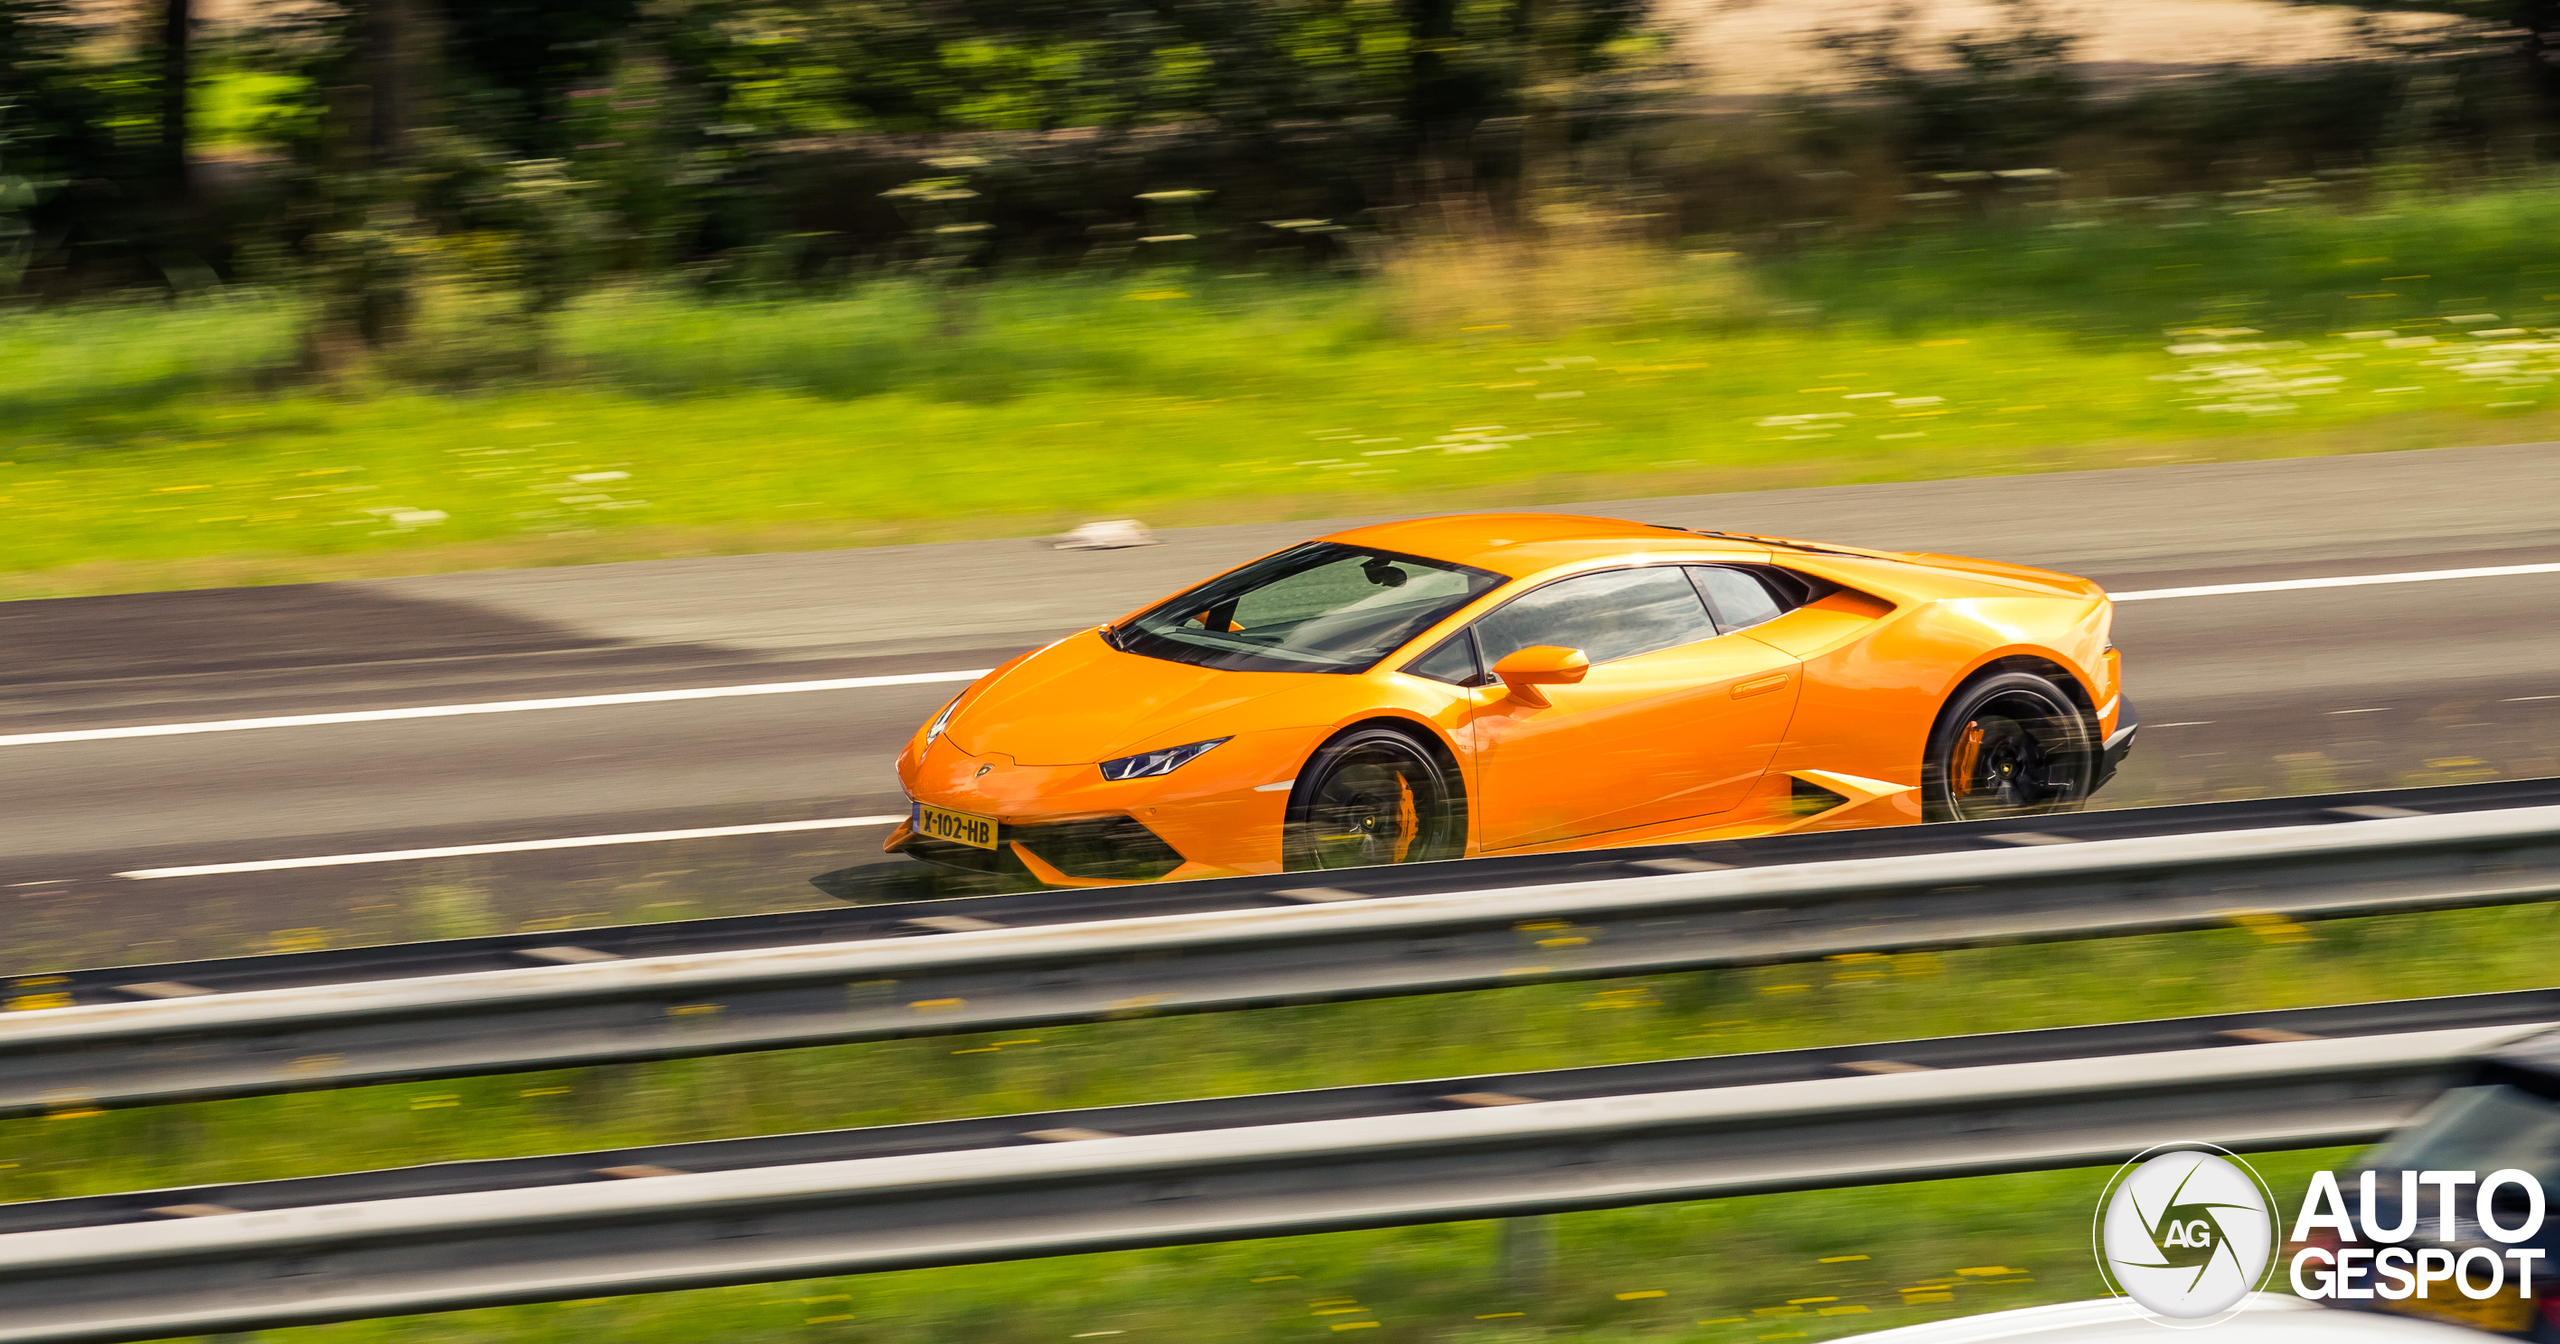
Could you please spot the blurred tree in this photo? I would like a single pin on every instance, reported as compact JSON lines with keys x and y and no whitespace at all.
{"x":2001,"y":98}
{"x":691,"y":118}
{"x":57,"y":118}
{"x":823,"y":66}
{"x":515,"y":64}
{"x":756,"y":136}
{"x":361,"y":235}
{"x":2540,"y":20}
{"x":18,"y":197}
{"x":177,"y":83}
{"x":399,"y":54}
{"x":1328,"y":99}
{"x":60,"y":146}
{"x":1546,"y":95}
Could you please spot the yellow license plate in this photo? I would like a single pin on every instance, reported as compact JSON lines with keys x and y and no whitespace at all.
{"x":2506,"y":1312}
{"x":960,"y":828}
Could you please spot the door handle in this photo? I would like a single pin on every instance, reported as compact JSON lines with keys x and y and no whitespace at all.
{"x":1758,"y":685}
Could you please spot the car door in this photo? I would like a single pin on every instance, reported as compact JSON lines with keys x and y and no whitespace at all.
{"x":1674,"y":719}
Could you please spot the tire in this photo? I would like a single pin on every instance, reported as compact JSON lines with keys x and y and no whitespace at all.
{"x":1373,"y":796}
{"x":2010,"y":745}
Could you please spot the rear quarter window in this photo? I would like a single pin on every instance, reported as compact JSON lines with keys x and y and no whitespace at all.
{"x":1743,"y":598}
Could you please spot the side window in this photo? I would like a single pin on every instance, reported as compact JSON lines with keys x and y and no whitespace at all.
{"x":1740,"y":599}
{"x":1453,"y":662}
{"x":1611,"y":615}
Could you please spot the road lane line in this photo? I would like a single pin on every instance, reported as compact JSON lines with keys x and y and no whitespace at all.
{"x":490,"y":707}
{"x":2346,"y":581}
{"x":459,"y":851}
{"x":972,"y":674}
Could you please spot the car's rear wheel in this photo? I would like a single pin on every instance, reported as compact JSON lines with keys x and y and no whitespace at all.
{"x":2009,"y":745}
{"x":1373,"y":796}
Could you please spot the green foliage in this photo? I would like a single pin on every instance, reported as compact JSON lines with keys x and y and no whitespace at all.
{"x":2331,"y":117}
{"x":243,"y":110}
{"x":524,"y":229}
{"x":746,"y":142}
{"x":695,"y":115}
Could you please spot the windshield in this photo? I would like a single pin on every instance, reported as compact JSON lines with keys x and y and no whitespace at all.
{"x":2484,"y":1128}
{"x":2476,"y":1129}
{"x":1320,"y":607}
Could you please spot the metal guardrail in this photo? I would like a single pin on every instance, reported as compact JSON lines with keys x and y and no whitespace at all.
{"x":626,"y":1009}
{"x":2114,"y":1040}
{"x":233,"y":1271}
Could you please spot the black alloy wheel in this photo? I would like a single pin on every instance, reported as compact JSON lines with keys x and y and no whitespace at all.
{"x":1373,"y":796}
{"x":2010,"y":745}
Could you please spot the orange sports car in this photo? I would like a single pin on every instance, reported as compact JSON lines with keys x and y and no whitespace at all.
{"x":1509,"y":683}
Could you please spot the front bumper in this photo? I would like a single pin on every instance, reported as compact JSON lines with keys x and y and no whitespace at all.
{"x":2119,"y":744}
{"x":1093,"y":849}
{"x":1065,"y":825}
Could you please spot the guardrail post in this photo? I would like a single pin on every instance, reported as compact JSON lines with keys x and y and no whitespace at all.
{"x":1528,"y":1253}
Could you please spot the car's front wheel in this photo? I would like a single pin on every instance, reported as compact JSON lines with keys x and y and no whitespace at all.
{"x":2009,"y":745}
{"x":1373,"y":796}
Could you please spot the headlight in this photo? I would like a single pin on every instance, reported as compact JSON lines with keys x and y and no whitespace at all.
{"x":1149,"y":763}
{"x":940,"y":721}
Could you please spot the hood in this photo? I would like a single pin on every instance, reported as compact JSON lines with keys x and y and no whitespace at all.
{"x":1080,"y":700}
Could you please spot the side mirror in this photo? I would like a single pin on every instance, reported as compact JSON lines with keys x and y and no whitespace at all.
{"x":1525,"y":670}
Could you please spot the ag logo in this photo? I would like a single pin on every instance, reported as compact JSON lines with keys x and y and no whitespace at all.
{"x":2184,"y":1231}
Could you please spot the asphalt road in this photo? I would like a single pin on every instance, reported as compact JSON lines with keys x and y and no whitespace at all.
{"x":2287,"y":691}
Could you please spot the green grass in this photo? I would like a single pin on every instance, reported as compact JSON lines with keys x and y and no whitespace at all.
{"x":2280,"y":260}
{"x":1722,"y":1257}
{"x":136,"y":448}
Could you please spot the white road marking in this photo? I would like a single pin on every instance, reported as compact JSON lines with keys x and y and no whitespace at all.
{"x":459,"y":851}
{"x":489,"y":707}
{"x":2344,"y":581}
{"x":972,"y":674}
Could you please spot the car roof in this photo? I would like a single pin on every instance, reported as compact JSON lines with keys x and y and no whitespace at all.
{"x":2264,"y":1318}
{"x":1525,"y":543}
